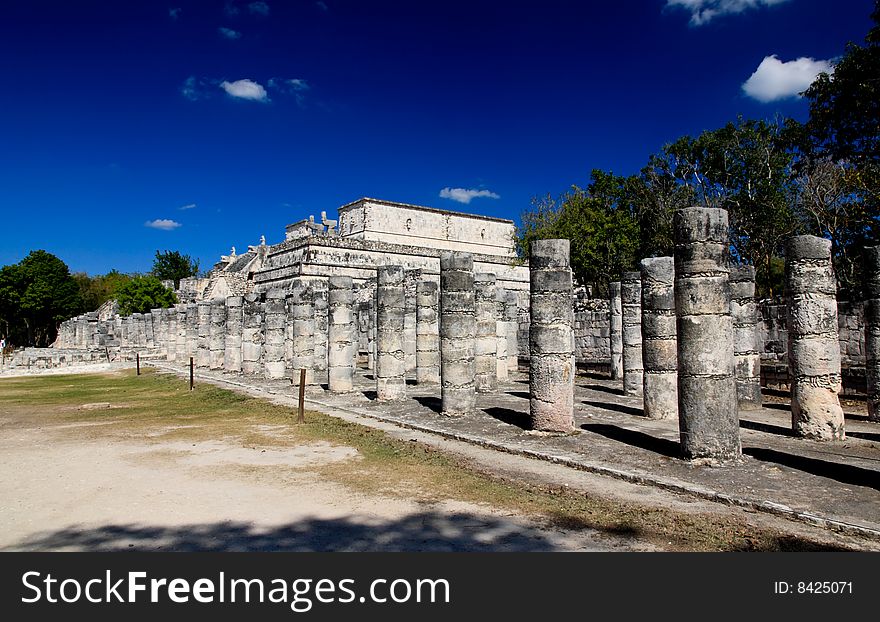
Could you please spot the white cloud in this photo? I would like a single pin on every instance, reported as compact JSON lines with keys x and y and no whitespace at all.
{"x":230,"y":10}
{"x":245,"y":89}
{"x":186,"y":207}
{"x":259,"y":8}
{"x":465,"y":195}
{"x":174,"y":13}
{"x":704,"y":11}
{"x":162,"y":223}
{"x":774,"y":79}
{"x":229,"y":33}
{"x":322,"y":5}
{"x":195,"y":88}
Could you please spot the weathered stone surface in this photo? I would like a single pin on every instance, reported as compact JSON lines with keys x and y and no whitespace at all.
{"x":275,"y":311}
{"x":390,"y":355}
{"x":341,"y":333}
{"x":301,"y":330}
{"x":192,"y":331}
{"x":616,"y":331}
{"x":232,"y":344}
{"x":707,"y":403}
{"x":486,"y":341}
{"x":872,"y":331}
{"x":746,"y":338}
{"x":813,"y":350}
{"x":203,"y":349}
{"x":659,"y":344}
{"x":502,"y":371}
{"x":411,"y":280}
{"x":427,"y":333}
{"x":217,"y":334}
{"x":511,"y":323}
{"x":457,"y":334}
{"x":551,"y":338}
{"x":631,"y":322}
{"x":252,"y":335}
{"x":320,"y":296}
{"x":171,"y":343}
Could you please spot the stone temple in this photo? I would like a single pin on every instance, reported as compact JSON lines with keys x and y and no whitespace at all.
{"x":367,"y":234}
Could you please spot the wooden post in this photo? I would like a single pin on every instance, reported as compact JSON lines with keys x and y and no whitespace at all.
{"x":301,"y":415}
{"x":137,"y":358}
{"x":107,"y":352}
{"x":190,"y":373}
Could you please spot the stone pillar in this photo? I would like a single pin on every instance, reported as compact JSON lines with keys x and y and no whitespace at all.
{"x":411,"y":281}
{"x":658,"y":338}
{"x":158,"y":328}
{"x":147,"y":320}
{"x":171,"y":341}
{"x":390,"y":355}
{"x":486,"y":342}
{"x":872,"y":331}
{"x":631,"y":322}
{"x":301,"y":314}
{"x":273,"y":335}
{"x":707,"y":405}
{"x":616,"y":331}
{"x":140,"y":329}
{"x":340,"y":334}
{"x":252,"y":335}
{"x":320,"y":297}
{"x":746,"y":338}
{"x":232,"y":350}
{"x":203,"y":351}
{"x":457,"y":333}
{"x":217,"y":334}
{"x":182,"y":351}
{"x":427,"y":333}
{"x":511,"y":322}
{"x":813,"y":348}
{"x":501,"y":365}
{"x":551,"y":337}
{"x":192,"y":331}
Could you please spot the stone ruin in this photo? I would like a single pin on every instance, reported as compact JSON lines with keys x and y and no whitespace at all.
{"x":684,"y":333}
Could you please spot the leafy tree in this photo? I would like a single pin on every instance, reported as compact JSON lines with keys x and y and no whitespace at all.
{"x":142,"y":293}
{"x":173,"y":266}
{"x":97,"y":290}
{"x":37,"y":294}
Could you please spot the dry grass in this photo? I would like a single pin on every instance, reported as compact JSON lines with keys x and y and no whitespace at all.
{"x":160,"y":407}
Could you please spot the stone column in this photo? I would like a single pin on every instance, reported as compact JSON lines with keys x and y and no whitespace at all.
{"x":234,"y":318}
{"x":658,"y":338}
{"x":813,"y":348}
{"x":707,"y":405}
{"x":501,"y":365}
{"x":147,"y":320}
{"x":427,"y":333}
{"x":301,"y":314}
{"x":616,"y":331}
{"x":631,"y":322}
{"x":457,"y":333}
{"x":140,"y":329}
{"x":158,"y":328}
{"x":171,"y":342}
{"x":411,"y":280}
{"x":217,"y":334}
{"x":511,"y":322}
{"x":390,"y":355}
{"x":551,"y":338}
{"x":252,"y":335}
{"x":203,"y":351}
{"x":182,"y":350}
{"x":486,"y":342}
{"x":320,"y":297}
{"x":872,"y":331}
{"x":273,"y":335}
{"x":192,"y":331}
{"x":746,"y":339}
{"x":340,"y":334}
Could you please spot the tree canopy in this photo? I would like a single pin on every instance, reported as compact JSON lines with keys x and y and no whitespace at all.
{"x":173,"y":266}
{"x":142,"y":293}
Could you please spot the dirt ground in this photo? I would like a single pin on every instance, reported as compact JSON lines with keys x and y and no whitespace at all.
{"x":83,"y":475}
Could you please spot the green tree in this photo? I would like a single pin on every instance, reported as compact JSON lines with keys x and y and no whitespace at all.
{"x":142,"y":293}
{"x":173,"y":266}
{"x":37,"y":294}
{"x":97,"y":290}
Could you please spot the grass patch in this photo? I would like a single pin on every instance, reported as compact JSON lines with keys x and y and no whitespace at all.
{"x":158,"y":407}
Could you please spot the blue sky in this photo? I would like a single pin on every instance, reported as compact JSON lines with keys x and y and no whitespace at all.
{"x":128,"y":127}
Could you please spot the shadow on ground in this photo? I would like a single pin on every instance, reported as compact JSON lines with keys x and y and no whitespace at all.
{"x":425,"y":531}
{"x":635,"y":438}
{"x":844,"y":473}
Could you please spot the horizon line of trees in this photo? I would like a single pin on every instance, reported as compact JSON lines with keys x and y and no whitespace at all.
{"x":776,"y":178}
{"x":39,"y":292}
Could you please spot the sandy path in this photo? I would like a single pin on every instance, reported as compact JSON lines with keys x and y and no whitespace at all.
{"x":65,"y":490}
